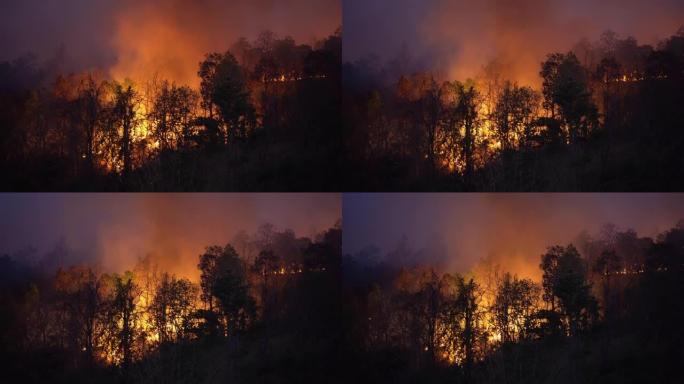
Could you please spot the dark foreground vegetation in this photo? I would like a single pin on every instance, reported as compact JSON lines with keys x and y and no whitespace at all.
{"x":266,"y":310}
{"x":266,"y":117}
{"x":608,"y":310}
{"x":607,"y":117}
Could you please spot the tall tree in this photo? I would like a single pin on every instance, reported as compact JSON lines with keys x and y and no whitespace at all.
{"x":172,"y":306}
{"x":172,"y":115}
{"x":207,"y":267}
{"x":607,"y":265}
{"x":224,"y":85}
{"x":467,"y":304}
{"x":467,"y":112}
{"x":125,"y":104}
{"x":514,"y":304}
{"x":565,"y":279}
{"x":514,"y":115}
{"x":91,"y":105}
{"x":224,"y":278}
{"x":548,"y":265}
{"x":450,"y":128}
{"x":430,"y":106}
{"x":266,"y":265}
{"x":78,"y":289}
{"x":123,"y":316}
{"x":567,"y":93}
{"x":429,"y":302}
{"x":232,"y":290}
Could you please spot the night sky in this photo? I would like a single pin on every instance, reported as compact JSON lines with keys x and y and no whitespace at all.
{"x":458,"y":37}
{"x":141,"y":37}
{"x":115,"y":229}
{"x":514,"y":229}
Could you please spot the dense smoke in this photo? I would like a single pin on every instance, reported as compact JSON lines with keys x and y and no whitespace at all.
{"x":459,"y":231}
{"x":140,"y":39}
{"x":458,"y":38}
{"x":114,"y":230}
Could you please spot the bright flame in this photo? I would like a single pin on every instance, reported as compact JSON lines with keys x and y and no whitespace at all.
{"x":142,"y":130}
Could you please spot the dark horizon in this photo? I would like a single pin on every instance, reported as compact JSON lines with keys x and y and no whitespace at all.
{"x":458,"y":231}
{"x":138,"y":39}
{"x":115,"y":230}
{"x":457,"y":39}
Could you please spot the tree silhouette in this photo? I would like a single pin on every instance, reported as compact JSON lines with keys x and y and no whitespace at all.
{"x":172,"y":115}
{"x":123,"y":316}
{"x":266,"y":265}
{"x":228,"y":285}
{"x":224,"y":86}
{"x":565,"y":280}
{"x":145,"y":325}
{"x":467,"y":303}
{"x":123,"y":114}
{"x":91,"y":107}
{"x":430,"y":307}
{"x":79,"y":292}
{"x":566,"y":92}
{"x":431,"y":111}
{"x":207,"y":267}
{"x":275,"y":111}
{"x":514,"y":114}
{"x":608,"y":264}
{"x":514,"y":304}
{"x":467,"y":112}
{"x":171,"y":307}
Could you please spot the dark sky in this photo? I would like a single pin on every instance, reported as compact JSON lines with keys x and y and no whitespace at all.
{"x":459,"y":37}
{"x":134,"y":37}
{"x":116,"y":229}
{"x":513,"y":229}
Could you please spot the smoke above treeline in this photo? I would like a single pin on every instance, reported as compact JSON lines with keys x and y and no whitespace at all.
{"x":460,"y":232}
{"x":113,"y":231}
{"x":456,"y":39}
{"x":142,"y":38}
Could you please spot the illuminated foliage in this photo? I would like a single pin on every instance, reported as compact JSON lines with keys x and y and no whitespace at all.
{"x":561,"y":133}
{"x":515,"y":303}
{"x":172,"y":116}
{"x":93,"y":131}
{"x":514,"y":115}
{"x":173,"y":303}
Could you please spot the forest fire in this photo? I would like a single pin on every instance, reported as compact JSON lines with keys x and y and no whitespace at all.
{"x":445,"y":313}
{"x":150,"y":283}
{"x":121,"y":126}
{"x":158,"y":308}
{"x":154,"y":40}
{"x":156,"y":92}
{"x":508,"y":116}
{"x":458,"y":39}
{"x":456,"y":96}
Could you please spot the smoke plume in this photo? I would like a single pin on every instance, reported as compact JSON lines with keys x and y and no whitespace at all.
{"x":139,"y":39}
{"x":459,"y":231}
{"x":458,"y":38}
{"x":114,"y":230}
